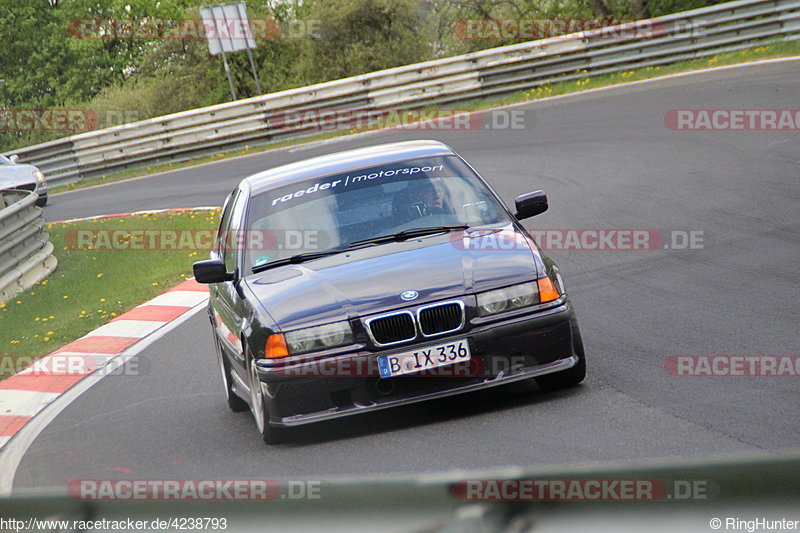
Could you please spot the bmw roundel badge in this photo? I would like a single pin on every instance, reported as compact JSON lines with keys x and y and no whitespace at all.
{"x":409,"y":295}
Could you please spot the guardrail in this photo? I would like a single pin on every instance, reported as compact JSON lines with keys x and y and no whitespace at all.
{"x":26,"y":253}
{"x":684,"y":492}
{"x":494,"y":72}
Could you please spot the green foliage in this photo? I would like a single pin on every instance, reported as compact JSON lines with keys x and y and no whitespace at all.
{"x":359,"y":36}
{"x":50,"y":58}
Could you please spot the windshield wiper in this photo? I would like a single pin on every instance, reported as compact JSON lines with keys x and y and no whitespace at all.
{"x":396,"y":237}
{"x":299,"y":258}
{"x":409,"y":234}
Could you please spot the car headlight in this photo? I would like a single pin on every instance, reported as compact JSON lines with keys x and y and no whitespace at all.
{"x":37,"y":174}
{"x":507,"y":299}
{"x":517,"y":296}
{"x":319,"y":337}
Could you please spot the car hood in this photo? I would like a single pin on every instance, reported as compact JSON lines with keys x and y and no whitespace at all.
{"x":15,"y":175}
{"x":371,"y":280}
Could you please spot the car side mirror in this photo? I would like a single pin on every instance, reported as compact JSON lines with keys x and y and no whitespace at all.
{"x":530,"y":204}
{"x":211,"y":271}
{"x":13,"y":158}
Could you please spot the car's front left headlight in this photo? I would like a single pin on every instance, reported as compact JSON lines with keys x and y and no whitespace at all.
{"x":319,"y":337}
{"x":38,"y":176}
{"x":507,"y":298}
{"x":517,"y":296}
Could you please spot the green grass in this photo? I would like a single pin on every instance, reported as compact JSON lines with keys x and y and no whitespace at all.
{"x":762,"y":51}
{"x":90,"y":287}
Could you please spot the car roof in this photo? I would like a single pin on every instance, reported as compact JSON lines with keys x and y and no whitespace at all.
{"x":347,"y":161}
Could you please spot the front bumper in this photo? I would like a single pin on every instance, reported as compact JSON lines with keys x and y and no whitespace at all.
{"x":511,"y":350}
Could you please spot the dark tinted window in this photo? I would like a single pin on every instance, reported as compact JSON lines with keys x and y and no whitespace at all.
{"x":331,"y":212}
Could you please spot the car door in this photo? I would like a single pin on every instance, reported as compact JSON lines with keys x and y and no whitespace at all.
{"x":227,"y":306}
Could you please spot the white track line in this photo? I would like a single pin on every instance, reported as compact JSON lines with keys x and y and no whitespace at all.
{"x":15,"y":449}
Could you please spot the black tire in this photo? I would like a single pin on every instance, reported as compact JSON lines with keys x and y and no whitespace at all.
{"x":571,"y":376}
{"x":270,"y":434}
{"x":42,"y":201}
{"x":235,"y":403}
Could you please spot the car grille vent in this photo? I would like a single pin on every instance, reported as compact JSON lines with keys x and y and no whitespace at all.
{"x":441,"y":318}
{"x":393,"y":328}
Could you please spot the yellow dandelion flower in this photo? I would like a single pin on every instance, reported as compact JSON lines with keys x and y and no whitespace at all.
{"x":100,"y":275}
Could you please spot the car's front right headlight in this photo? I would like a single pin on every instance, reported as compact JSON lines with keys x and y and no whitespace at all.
{"x":38,"y":176}
{"x":319,"y":337}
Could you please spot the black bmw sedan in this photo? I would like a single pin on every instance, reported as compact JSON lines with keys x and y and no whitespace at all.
{"x":378,"y":277}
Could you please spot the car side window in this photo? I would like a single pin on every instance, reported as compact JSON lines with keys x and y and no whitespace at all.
{"x":227,"y":208}
{"x":231,"y":237}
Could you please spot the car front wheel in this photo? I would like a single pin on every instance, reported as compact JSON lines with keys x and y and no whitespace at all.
{"x":270,"y":434}
{"x":571,"y":376}
{"x":234,"y":401}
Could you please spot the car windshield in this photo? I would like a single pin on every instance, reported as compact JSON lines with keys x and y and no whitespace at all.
{"x":335,"y":211}
{"x":4,"y":160}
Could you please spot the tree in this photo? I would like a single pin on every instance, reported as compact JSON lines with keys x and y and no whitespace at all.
{"x":359,"y":36}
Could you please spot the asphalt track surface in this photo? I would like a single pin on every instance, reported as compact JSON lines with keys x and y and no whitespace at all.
{"x":606,"y":160}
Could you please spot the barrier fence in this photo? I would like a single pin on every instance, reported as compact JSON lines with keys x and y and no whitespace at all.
{"x":26,"y":253}
{"x":449,"y":81}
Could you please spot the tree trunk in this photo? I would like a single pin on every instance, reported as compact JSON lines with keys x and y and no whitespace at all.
{"x":599,"y":8}
{"x":639,"y":9}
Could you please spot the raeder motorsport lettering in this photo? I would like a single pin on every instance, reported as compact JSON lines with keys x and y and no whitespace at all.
{"x":342,"y":182}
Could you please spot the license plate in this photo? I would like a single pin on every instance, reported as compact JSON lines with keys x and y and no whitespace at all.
{"x":423,"y":358}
